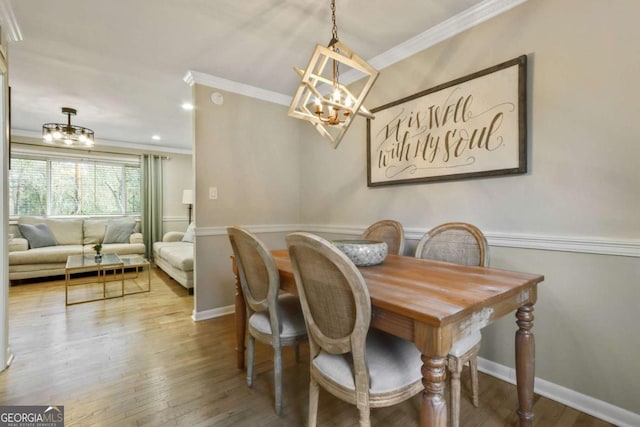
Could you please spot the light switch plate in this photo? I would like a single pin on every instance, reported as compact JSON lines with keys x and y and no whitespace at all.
{"x":213,"y":193}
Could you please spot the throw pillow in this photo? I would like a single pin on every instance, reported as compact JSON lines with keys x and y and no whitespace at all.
{"x":188,"y":235}
{"x":38,"y":235}
{"x":118,"y":232}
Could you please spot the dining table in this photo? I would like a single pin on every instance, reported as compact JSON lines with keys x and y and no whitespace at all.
{"x":433,"y":304}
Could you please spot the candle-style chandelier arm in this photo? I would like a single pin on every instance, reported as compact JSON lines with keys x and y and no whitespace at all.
{"x":312,"y":91}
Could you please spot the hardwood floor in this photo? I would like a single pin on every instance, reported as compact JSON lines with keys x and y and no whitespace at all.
{"x":142,"y":361}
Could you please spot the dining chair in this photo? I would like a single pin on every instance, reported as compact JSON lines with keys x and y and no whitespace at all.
{"x":459,"y":243}
{"x":273,"y":319}
{"x":389,"y":231}
{"x":364,"y":367}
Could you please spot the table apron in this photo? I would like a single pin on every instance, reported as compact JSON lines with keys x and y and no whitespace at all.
{"x":436,"y":341}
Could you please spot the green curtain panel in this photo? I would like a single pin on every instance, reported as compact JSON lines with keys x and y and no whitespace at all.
{"x":152,"y":189}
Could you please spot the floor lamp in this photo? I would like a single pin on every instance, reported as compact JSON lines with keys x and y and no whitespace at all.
{"x":187,"y":199}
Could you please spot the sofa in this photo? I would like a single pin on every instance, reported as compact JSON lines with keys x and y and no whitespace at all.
{"x":174,"y":256}
{"x":40,"y":245}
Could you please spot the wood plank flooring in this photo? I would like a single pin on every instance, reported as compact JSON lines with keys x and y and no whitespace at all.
{"x":142,"y":361}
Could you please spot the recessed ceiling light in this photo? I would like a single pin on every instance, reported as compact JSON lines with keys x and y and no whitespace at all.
{"x":187,"y":106}
{"x":156,"y":137}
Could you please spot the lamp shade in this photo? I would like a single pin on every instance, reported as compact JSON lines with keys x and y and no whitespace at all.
{"x":187,"y":197}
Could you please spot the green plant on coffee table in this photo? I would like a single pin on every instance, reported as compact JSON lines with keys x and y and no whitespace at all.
{"x":97,"y":247}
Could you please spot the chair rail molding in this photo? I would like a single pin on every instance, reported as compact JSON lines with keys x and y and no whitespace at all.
{"x":578,"y":244}
{"x":174,"y":218}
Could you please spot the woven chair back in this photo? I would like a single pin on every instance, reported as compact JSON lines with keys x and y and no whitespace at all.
{"x":259,"y":277}
{"x":334,"y":297}
{"x":456,"y":242}
{"x":388,"y":231}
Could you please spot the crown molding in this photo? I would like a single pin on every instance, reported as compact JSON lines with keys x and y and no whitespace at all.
{"x":466,"y":19}
{"x":235,"y":87}
{"x":469,"y":18}
{"x":110,"y":143}
{"x":8,"y":19}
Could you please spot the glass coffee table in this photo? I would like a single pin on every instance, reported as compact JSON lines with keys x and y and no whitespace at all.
{"x":77,"y":264}
{"x":126,"y":272}
{"x":135,"y":281}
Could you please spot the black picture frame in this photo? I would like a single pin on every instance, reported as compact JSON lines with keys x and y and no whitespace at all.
{"x":470,"y":127}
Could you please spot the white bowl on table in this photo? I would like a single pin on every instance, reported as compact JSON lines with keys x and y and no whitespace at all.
{"x":363,"y":253}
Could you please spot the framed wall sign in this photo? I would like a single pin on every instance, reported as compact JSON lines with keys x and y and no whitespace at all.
{"x":474,"y":126}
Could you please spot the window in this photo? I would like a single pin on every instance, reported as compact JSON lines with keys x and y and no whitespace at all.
{"x":68,"y":187}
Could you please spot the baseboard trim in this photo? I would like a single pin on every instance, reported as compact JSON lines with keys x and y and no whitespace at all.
{"x":213,"y":313}
{"x":577,"y":244}
{"x":583,"y":403}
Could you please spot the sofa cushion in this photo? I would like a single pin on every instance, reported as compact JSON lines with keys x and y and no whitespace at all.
{"x":178,"y":254}
{"x":67,"y":231}
{"x":46,"y":255}
{"x":38,"y":235}
{"x":18,"y":244}
{"x":180,"y":257}
{"x":94,"y":230}
{"x":123,"y":248}
{"x":118,"y":231}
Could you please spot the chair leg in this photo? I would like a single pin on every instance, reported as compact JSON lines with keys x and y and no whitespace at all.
{"x":455,"y":367}
{"x":473,"y":367}
{"x":314,"y":393}
{"x":277,"y":377}
{"x":250,"y":353}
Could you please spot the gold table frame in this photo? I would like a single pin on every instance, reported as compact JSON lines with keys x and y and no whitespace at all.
{"x":87,"y":264}
{"x":109,"y":263}
{"x":137,"y":262}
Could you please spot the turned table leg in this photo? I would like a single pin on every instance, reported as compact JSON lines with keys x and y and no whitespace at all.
{"x":525,"y":364}
{"x":434,"y":406}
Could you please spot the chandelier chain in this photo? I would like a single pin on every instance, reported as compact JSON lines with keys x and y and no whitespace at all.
{"x":334,"y":29}
{"x":334,"y":34}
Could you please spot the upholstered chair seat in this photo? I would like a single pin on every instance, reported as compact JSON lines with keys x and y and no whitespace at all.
{"x":393,"y":364}
{"x":291,"y":319}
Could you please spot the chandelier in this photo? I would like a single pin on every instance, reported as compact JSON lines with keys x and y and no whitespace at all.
{"x":67,"y":134}
{"x":321,"y":98}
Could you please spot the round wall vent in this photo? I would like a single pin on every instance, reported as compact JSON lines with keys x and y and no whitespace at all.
{"x":217,"y":98}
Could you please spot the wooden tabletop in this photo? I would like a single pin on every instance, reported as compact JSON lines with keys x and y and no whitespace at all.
{"x":432,"y":292}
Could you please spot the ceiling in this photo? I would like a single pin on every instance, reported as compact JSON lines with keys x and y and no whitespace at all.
{"x":122,"y":63}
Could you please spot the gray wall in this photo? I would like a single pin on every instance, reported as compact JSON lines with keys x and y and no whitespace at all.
{"x":249,"y":150}
{"x":582,"y":184}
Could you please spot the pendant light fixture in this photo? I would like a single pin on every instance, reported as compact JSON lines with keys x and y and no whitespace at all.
{"x":67,"y":134}
{"x":322,"y":98}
